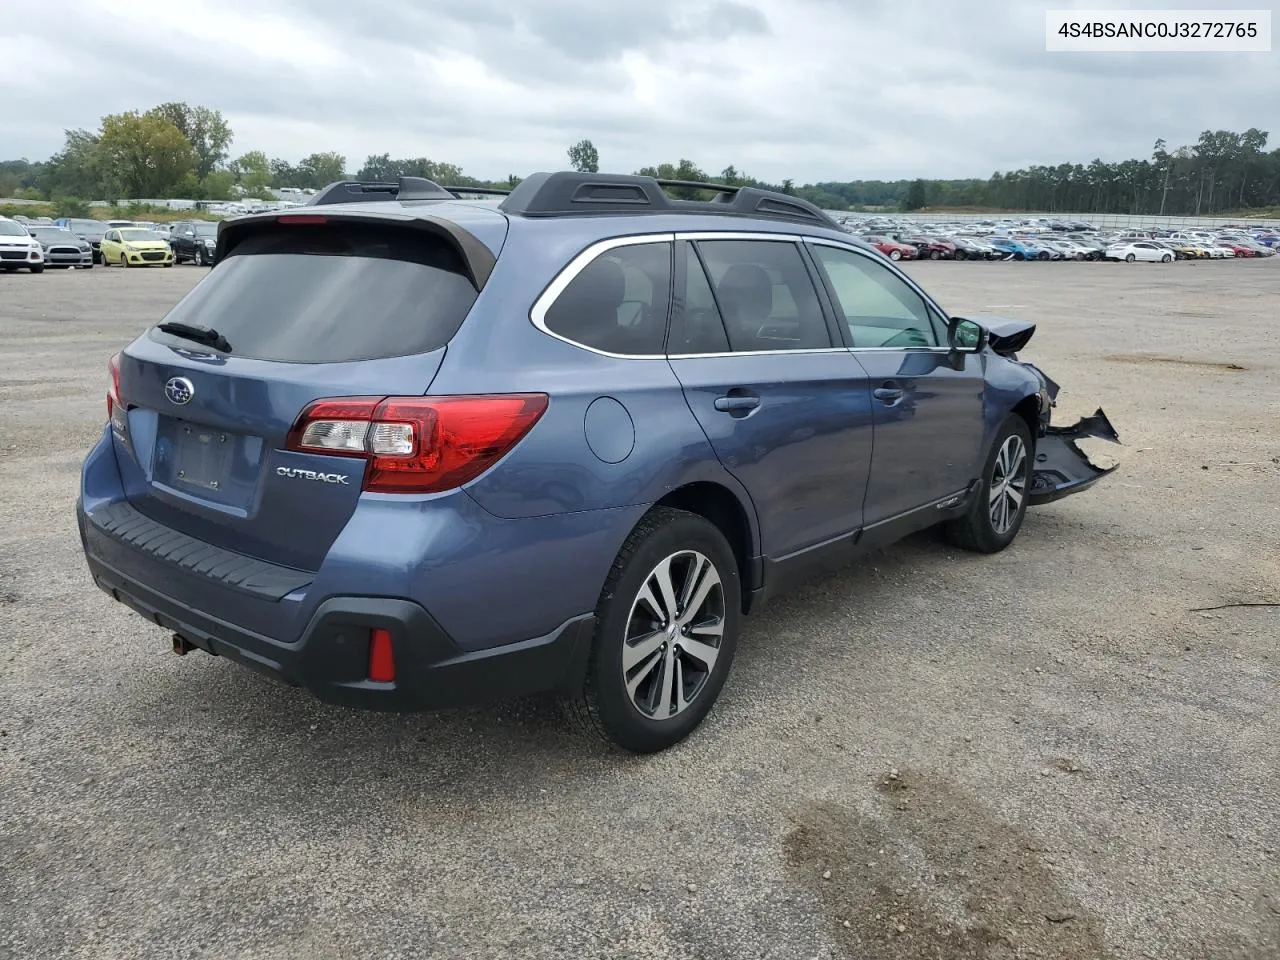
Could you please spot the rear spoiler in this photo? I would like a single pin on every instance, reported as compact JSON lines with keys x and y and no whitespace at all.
{"x":477,"y":258}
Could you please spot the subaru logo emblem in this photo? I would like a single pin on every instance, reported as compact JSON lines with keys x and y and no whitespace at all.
{"x":179,"y":390}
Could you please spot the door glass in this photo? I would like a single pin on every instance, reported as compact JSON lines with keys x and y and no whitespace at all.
{"x":879,"y":307}
{"x":699,"y":328}
{"x":765,"y":295}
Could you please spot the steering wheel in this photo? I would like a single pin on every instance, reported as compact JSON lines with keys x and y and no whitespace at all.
{"x":911,"y":337}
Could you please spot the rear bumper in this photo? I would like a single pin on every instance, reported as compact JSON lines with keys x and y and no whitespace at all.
{"x":331,"y":659}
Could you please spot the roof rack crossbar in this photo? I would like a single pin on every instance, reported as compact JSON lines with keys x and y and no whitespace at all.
{"x":574,"y":194}
{"x":482,"y":191}
{"x":359,"y":191}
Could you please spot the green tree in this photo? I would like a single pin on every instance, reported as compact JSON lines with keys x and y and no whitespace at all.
{"x":788,"y":186}
{"x":204,"y":129}
{"x":584,"y":157}
{"x":76,"y":170}
{"x":917,"y":196}
{"x":321,"y":169}
{"x":252,"y":172}
{"x":685,"y":170}
{"x":144,"y":155}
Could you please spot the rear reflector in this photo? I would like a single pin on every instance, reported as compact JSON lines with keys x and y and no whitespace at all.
{"x":418,"y":444}
{"x":382,"y":660}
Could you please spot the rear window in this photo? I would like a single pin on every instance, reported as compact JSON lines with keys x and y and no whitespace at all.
{"x":325,"y":294}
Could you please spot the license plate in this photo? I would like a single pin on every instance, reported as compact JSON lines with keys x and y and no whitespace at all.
{"x":201,"y":456}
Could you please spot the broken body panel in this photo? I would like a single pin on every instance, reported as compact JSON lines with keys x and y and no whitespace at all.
{"x":1061,"y":467}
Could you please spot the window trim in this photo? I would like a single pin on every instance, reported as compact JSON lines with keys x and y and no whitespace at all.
{"x":538,"y":312}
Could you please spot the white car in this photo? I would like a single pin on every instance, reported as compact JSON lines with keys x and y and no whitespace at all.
{"x":1139,"y":250}
{"x":18,"y":249}
{"x":1216,"y":252}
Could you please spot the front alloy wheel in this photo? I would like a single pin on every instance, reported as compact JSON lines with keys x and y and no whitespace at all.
{"x":1008,"y":484}
{"x":1000,"y":502}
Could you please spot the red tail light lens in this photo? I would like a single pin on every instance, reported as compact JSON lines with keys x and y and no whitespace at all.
{"x":113,"y":391}
{"x":418,"y":444}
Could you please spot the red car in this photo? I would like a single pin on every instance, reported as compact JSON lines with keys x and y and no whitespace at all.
{"x":1239,"y":250}
{"x":893,"y":249}
{"x":931,"y":248}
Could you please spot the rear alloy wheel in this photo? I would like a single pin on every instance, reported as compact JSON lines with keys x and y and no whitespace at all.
{"x":1000,"y":502}
{"x":895,"y":254}
{"x":1130,"y":258}
{"x":666,"y":631}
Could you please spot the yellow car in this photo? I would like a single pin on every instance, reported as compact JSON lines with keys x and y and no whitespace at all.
{"x":135,"y":247}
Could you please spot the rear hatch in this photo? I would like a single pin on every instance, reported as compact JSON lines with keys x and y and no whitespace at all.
{"x":329,"y":308}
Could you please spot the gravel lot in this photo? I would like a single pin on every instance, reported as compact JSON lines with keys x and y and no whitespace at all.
{"x":1046,"y":753}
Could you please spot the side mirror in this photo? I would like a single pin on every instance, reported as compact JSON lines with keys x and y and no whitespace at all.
{"x":966,"y":336}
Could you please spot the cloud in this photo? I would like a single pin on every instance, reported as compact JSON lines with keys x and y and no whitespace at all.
{"x":807,"y":89}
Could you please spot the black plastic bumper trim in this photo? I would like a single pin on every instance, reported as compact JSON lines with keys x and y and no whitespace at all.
{"x":226,"y":568}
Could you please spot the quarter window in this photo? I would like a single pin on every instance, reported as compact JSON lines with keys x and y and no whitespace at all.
{"x":619,"y":302}
{"x":765,"y":295}
{"x":879,"y":307}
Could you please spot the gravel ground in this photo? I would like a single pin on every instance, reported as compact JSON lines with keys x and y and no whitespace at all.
{"x":1048,"y":753}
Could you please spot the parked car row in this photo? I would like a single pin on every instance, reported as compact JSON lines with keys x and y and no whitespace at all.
{"x":1036,"y":240}
{"x":33,"y":244}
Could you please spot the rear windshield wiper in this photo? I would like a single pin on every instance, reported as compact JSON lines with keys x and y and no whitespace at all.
{"x":205,"y":335}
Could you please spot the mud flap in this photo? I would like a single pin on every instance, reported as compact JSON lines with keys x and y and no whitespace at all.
{"x":1061,"y":467}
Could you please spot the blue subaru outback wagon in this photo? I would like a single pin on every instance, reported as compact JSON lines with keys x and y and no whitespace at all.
{"x":410,"y":451}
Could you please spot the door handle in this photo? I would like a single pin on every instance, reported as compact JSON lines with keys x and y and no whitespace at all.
{"x":888,"y":392}
{"x":737,"y":404}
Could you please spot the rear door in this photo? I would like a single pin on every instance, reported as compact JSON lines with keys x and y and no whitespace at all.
{"x":308,"y":311}
{"x":785,"y":408}
{"x":927,"y":405}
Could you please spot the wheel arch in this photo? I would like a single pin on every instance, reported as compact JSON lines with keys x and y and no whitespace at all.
{"x":725,"y":510}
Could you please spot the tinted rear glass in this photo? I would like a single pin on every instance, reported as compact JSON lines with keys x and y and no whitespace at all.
{"x":323,"y":294}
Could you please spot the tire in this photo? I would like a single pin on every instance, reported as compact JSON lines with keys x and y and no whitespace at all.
{"x":675,"y":542}
{"x":962,"y":255}
{"x":1129,"y":258}
{"x":977,"y":530}
{"x":895,"y":254}
{"x":169,"y":264}
{"x":198,"y":258}
{"x":124,"y":260}
{"x":1042,"y":256}
{"x":935,"y":255}
{"x":39,"y":269}
{"x":1019,"y":256}
{"x":1167,"y":258}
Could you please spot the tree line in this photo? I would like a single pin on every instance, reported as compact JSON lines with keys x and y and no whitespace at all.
{"x":179,"y":150}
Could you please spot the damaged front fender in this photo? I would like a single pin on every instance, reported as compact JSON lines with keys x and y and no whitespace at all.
{"x":1061,"y":467}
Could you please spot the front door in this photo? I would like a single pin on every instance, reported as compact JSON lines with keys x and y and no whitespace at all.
{"x":787,"y":411}
{"x":927,"y":402}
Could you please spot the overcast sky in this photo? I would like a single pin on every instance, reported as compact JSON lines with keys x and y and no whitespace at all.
{"x":808,"y":89}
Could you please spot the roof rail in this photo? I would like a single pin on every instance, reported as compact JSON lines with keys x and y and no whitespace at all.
{"x":572,"y":194}
{"x":360,"y":191}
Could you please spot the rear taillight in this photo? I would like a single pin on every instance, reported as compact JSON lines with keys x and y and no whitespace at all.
{"x":418,"y":444}
{"x":113,"y":391}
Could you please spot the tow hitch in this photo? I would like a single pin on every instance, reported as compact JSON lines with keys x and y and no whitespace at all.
{"x":1061,"y":467}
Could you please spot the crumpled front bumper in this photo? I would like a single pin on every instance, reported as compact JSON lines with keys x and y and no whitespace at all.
{"x":1061,"y":467}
